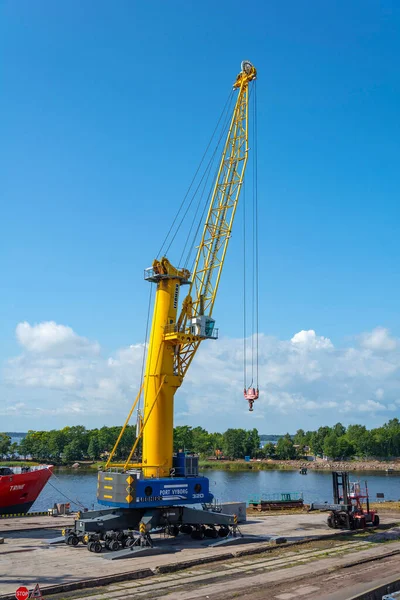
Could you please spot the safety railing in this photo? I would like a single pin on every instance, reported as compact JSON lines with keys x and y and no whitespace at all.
{"x":280,"y":497}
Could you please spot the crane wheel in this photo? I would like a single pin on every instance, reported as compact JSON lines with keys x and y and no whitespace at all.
{"x":210,"y":532}
{"x":90,"y":546}
{"x":97,"y":547}
{"x":223,"y":531}
{"x":330,"y":522}
{"x":197,"y":534}
{"x":72,"y":540}
{"x":113,"y":545}
{"x":186,"y":529}
{"x":120,"y":536}
{"x":173,"y":530}
{"x":376,"y":521}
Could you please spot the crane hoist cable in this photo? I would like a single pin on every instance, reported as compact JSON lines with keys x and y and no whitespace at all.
{"x":146,"y":335}
{"x":199,"y":221}
{"x":164,"y":249}
{"x":251,"y":392}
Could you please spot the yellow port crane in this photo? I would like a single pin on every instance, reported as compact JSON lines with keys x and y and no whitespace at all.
{"x":177,"y":334}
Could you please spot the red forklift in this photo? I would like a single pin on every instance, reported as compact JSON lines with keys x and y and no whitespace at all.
{"x":347,"y":510}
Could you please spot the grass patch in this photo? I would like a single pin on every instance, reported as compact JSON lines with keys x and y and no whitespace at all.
{"x":242,"y":465}
{"x":18,"y":463}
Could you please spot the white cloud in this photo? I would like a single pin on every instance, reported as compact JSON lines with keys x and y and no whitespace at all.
{"x":378,"y":339}
{"x":61,"y":377}
{"x":309,"y":339}
{"x":50,"y":337}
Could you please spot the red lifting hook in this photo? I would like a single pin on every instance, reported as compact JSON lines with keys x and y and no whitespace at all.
{"x":251,"y":394}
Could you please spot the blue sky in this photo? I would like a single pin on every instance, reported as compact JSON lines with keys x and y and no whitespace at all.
{"x":107,"y":108}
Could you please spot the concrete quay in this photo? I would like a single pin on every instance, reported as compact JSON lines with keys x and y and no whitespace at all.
{"x":26,"y":558}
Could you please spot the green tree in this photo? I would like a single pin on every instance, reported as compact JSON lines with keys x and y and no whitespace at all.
{"x":94,"y":448}
{"x":5,"y":443}
{"x":345,"y":448}
{"x":252,"y":443}
{"x":339,"y":430}
{"x":202,"y":442}
{"x":183,"y":438}
{"x":318,"y":438}
{"x":330,"y":445}
{"x":362,"y":441}
{"x":285,"y":449}
{"x":234,"y":443}
{"x":269,"y":450}
{"x":72,"y":451}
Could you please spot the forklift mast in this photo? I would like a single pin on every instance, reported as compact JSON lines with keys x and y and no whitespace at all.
{"x":340,"y":481}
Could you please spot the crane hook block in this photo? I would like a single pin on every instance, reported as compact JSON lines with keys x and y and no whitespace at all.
{"x":251,"y":394}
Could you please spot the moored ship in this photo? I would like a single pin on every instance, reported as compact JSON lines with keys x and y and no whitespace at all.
{"x":20,"y":486}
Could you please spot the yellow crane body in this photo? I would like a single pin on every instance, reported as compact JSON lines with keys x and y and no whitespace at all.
{"x":177,"y":333}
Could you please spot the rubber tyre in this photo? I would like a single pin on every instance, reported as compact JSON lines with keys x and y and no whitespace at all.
{"x":330,"y":522}
{"x":120,"y":536}
{"x":173,"y":530}
{"x":97,"y":547}
{"x":186,"y":529}
{"x":362,"y":523}
{"x":114,"y":545}
{"x":223,"y":532}
{"x":90,"y":546}
{"x":376,"y":521}
{"x":197,"y":534}
{"x":74,"y":540}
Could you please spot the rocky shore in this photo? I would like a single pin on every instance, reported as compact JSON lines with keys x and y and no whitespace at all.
{"x":348,"y":465}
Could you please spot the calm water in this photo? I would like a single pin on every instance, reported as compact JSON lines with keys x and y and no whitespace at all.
{"x":226,"y":485}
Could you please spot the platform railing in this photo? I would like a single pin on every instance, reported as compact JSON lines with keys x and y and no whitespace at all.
{"x":279,"y":497}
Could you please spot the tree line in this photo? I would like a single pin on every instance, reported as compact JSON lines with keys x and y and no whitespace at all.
{"x":70,"y":444}
{"x":339,"y":442}
{"x":63,"y":446}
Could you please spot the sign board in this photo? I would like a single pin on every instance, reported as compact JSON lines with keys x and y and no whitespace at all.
{"x":380,"y":495}
{"x":36,"y":593}
{"x":22,"y":593}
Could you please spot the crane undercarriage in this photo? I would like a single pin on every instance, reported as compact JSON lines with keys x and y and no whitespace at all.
{"x":124,"y":531}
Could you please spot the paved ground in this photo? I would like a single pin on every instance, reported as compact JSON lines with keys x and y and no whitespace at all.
{"x":27,"y":559}
{"x":314,"y":575}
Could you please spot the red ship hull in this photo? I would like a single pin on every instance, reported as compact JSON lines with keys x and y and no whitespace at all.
{"x":19,"y":489}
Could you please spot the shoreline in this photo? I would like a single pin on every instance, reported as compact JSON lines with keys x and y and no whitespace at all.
{"x":292,"y":465}
{"x":255,"y":465}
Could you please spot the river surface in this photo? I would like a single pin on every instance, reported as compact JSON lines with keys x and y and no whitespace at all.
{"x":79,"y":487}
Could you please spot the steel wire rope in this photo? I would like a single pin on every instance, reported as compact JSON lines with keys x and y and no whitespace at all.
{"x":253,"y":261}
{"x":145,"y":343}
{"x":244,"y":288}
{"x":207,"y":201}
{"x":77,"y":502}
{"x":255,"y":125}
{"x":160,"y":252}
{"x":205,"y":175}
{"x":208,"y":171}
